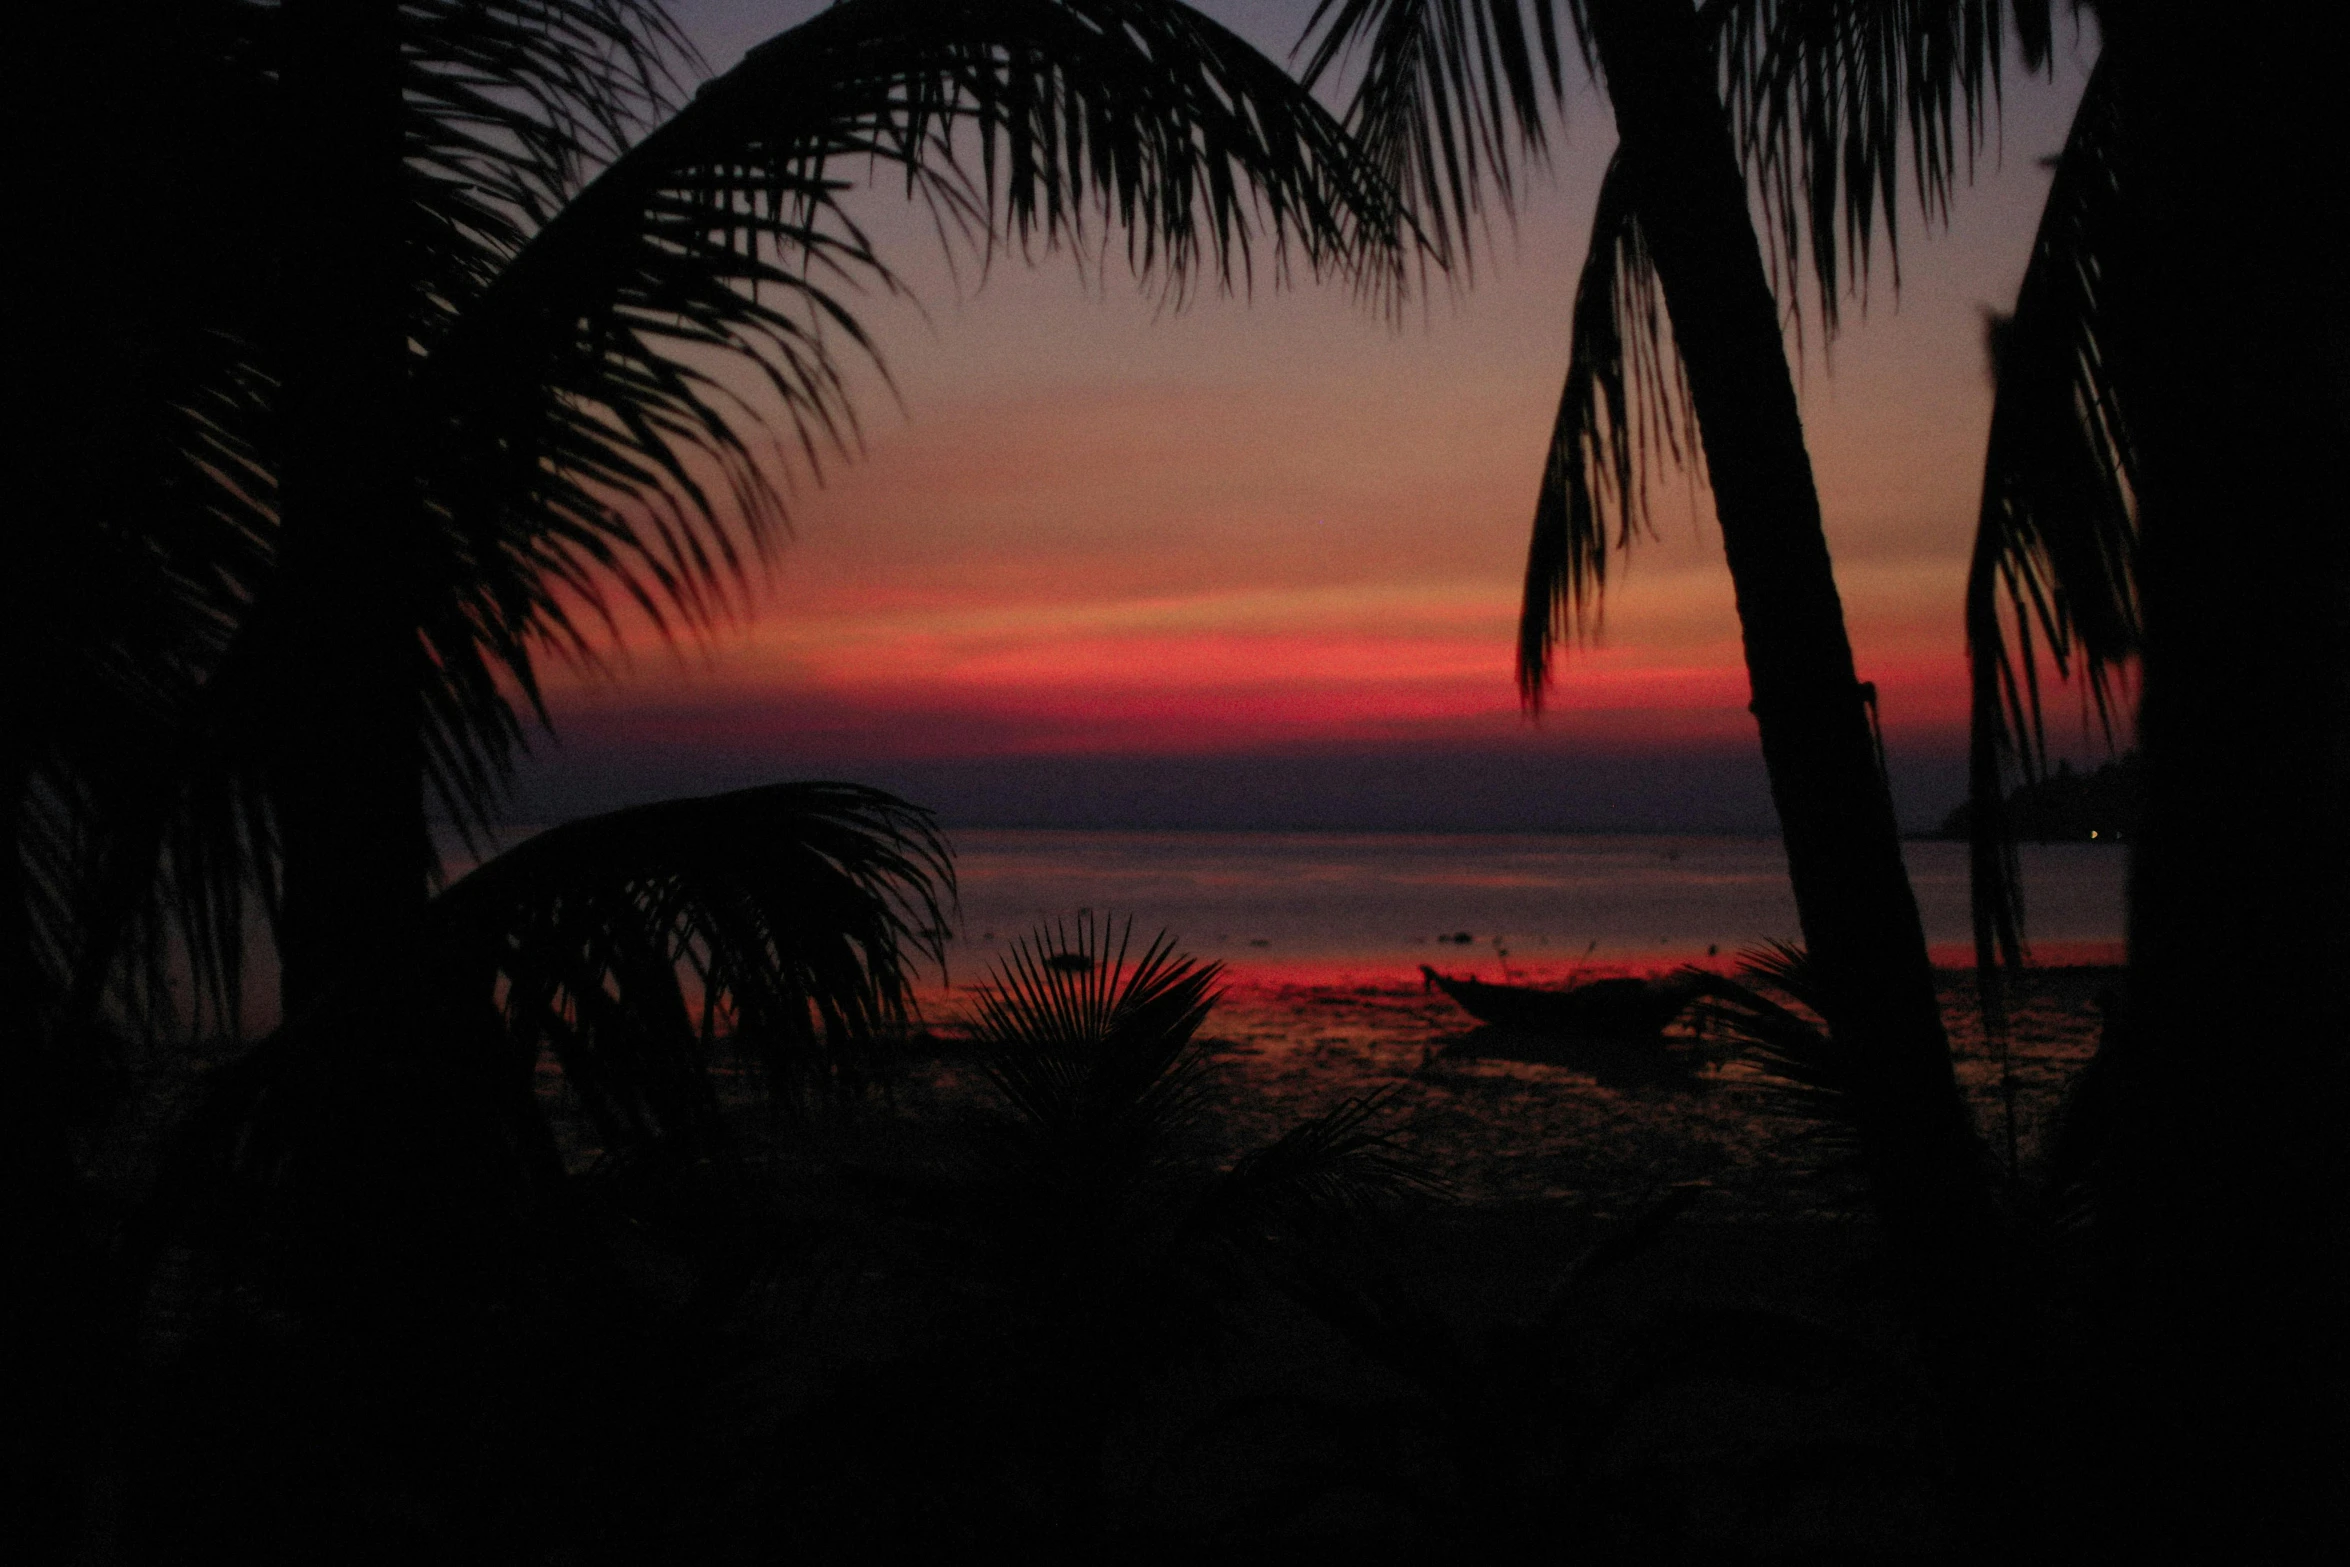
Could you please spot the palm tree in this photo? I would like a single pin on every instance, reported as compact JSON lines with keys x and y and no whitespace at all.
{"x":1449,"y":94}
{"x":469,"y":323}
{"x":1103,"y":1238}
{"x":449,"y":494}
{"x":2164,"y":382}
{"x":2134,"y":413}
{"x":422,"y":398}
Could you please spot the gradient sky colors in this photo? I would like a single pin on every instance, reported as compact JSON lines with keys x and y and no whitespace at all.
{"x":1094,"y":535}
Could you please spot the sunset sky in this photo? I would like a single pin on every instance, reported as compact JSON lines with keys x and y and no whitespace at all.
{"x":1257,"y":562}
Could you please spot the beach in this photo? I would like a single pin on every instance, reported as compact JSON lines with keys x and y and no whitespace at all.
{"x":1322,"y":936}
{"x":1498,"y":1126}
{"x":1756,"y":1394}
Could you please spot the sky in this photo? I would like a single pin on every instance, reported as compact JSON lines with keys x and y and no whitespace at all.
{"x":1256,"y":562}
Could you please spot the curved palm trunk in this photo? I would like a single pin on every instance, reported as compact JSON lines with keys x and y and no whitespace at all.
{"x":1852,"y":894}
{"x":347,"y":780}
{"x":2225,"y":1215}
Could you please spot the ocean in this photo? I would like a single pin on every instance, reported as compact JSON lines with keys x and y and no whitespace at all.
{"x":1323,"y":935}
{"x":1334,"y":906}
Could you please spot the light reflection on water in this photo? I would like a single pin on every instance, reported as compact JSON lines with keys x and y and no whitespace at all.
{"x":1326,"y":904}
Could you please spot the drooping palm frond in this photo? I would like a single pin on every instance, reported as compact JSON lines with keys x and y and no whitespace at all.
{"x":1448,"y":97}
{"x":395,"y":1136}
{"x":1823,"y":1080}
{"x":515,"y":101}
{"x":1452,"y":93}
{"x":1853,"y":1098}
{"x":1624,"y":412}
{"x":772,"y":929}
{"x":144,"y":499}
{"x":2054,"y":563}
{"x":151,"y":449}
{"x":573,"y":416}
{"x":1833,"y":98}
{"x":583,"y":432}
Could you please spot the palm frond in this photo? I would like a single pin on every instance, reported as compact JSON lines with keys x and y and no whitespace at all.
{"x":582,"y":433}
{"x":393,"y":1138}
{"x":1095,"y":1054}
{"x":1834,"y":100}
{"x":1102,"y":1174}
{"x":772,"y":929}
{"x":1451,"y":94}
{"x":1817,"y":1076}
{"x":1307,"y":1185}
{"x":2054,"y":565}
{"x":578,"y":430}
{"x":1624,"y":411}
{"x":144,"y":503}
{"x":513,"y":101}
{"x":1918,"y":1154}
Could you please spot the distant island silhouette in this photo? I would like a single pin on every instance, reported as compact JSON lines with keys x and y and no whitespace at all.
{"x":2101,"y":806}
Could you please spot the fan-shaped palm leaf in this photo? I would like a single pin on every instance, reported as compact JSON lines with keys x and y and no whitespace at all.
{"x":1095,"y":1055}
{"x":1310,"y":1184}
{"x":1824,"y":1081}
{"x":1850,"y":1097}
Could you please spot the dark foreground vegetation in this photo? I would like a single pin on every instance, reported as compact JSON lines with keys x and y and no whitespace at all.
{"x":993,"y":1286}
{"x":363,"y":352}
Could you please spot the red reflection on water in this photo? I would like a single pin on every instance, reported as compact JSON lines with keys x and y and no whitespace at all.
{"x":1266,"y":977}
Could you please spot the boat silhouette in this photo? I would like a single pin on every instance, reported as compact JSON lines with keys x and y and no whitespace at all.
{"x":1625,"y":1011}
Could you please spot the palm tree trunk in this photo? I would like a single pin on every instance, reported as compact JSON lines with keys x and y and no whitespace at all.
{"x":2225,"y":1215}
{"x":347,"y":784}
{"x":1852,"y":895}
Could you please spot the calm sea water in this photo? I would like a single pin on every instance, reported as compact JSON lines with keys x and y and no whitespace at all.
{"x":1379,"y":904}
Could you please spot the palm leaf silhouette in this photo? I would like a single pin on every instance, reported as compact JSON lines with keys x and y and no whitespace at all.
{"x":1452,"y":93}
{"x":1092,"y":1242}
{"x":1835,"y":100}
{"x":584,"y":434}
{"x":778,"y":924}
{"x":590,"y":251}
{"x":1821,"y":1079}
{"x":1832,"y":102}
{"x":1095,"y":1056}
{"x":1852,"y":1101}
{"x":1624,"y":412}
{"x":769,"y":932}
{"x":2055,"y":558}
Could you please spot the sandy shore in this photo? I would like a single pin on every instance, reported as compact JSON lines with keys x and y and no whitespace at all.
{"x":1752,"y":1397}
{"x":1791,"y":1425}
{"x":1505,"y":1130}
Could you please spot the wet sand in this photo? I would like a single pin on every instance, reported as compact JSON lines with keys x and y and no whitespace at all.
{"x":1793,"y":1423}
{"x":1499,"y":1128}
{"x":1811,"y":1440}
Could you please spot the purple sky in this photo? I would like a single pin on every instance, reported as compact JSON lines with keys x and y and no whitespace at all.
{"x":1257,"y":562}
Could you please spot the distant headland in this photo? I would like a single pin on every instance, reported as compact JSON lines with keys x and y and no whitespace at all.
{"x":2101,"y":806}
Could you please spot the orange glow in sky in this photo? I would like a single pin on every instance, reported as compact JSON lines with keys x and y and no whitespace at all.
{"x":1087,"y":525}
